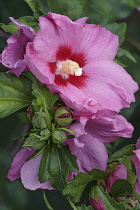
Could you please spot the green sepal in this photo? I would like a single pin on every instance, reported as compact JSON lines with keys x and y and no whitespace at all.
{"x":15,"y":93}
{"x":77,"y":186}
{"x":33,"y":143}
{"x":121,"y":188}
{"x":58,"y":136}
{"x":40,"y":120}
{"x":55,"y":165}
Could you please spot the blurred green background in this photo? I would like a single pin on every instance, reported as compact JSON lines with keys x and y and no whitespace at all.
{"x":109,"y":13}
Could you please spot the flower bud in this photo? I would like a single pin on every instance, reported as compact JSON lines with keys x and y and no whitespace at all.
{"x":40,"y":120}
{"x":33,"y":143}
{"x":58,"y":136}
{"x":63,"y":116}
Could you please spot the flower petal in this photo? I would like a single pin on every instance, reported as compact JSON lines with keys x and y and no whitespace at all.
{"x":95,"y":42}
{"x":18,"y":162}
{"x":29,"y":175}
{"x":27,"y":31}
{"x":92,"y":155}
{"x":110,"y":85}
{"x":108,"y":126}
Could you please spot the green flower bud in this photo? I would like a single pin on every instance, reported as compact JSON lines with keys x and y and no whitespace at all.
{"x":58,"y":136}
{"x":39,"y":120}
{"x":63,"y":116}
{"x":33,"y":143}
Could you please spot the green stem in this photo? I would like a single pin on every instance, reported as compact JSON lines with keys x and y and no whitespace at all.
{"x":72,"y":204}
{"x":46,"y":201}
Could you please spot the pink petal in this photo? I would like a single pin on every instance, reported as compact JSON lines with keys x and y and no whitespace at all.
{"x":107,"y":83}
{"x":29,"y":175}
{"x":92,"y":155}
{"x":97,"y":205}
{"x":108,"y":126}
{"x":138,"y":144}
{"x":82,"y":20}
{"x":27,"y":31}
{"x":94,"y":41}
{"x":17,"y":163}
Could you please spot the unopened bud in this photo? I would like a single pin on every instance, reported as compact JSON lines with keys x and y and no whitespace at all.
{"x":40,"y":120}
{"x":33,"y":143}
{"x":58,"y":136}
{"x":63,"y":116}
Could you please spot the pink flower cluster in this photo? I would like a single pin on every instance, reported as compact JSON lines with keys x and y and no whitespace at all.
{"x":75,"y":60}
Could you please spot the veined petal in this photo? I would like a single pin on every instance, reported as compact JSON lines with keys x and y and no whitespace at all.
{"x":108,"y":83}
{"x":29,"y":175}
{"x":18,"y":162}
{"x":27,"y":31}
{"x":108,"y":126}
{"x":92,"y":155}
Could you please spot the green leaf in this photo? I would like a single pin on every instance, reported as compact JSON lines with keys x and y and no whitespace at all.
{"x":127,"y":162}
{"x":94,"y":194}
{"x":118,"y":29}
{"x":119,"y":62}
{"x":15,"y":93}
{"x":27,"y":20}
{"x":104,"y":12}
{"x":77,"y":186}
{"x":84,"y":207}
{"x":71,"y":8}
{"x":124,"y":151}
{"x":121,"y":188}
{"x":109,"y":202}
{"x":123,"y":52}
{"x":136,"y":196}
{"x":43,"y":95}
{"x":35,"y":7}
{"x":55,"y":165}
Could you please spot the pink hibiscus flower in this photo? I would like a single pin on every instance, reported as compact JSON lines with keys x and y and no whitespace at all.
{"x":13,"y":56}
{"x":75,"y":59}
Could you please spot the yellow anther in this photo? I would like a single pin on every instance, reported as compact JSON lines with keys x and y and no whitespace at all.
{"x":68,"y":67}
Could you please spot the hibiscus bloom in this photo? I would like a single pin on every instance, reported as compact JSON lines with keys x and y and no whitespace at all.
{"x":13,"y":56}
{"x":75,"y":59}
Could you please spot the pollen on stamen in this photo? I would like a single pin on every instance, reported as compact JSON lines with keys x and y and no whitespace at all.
{"x":68,"y":67}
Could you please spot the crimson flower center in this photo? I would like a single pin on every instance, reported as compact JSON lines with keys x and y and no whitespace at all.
{"x":68,"y":67}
